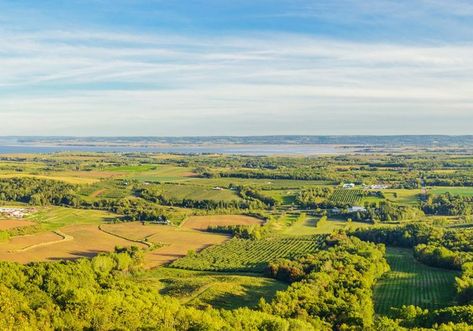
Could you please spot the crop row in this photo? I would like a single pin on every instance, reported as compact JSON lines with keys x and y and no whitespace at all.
{"x":411,"y":283}
{"x":249,"y":255}
{"x":348,"y":197}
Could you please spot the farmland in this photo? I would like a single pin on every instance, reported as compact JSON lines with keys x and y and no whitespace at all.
{"x":176,"y":242}
{"x":13,"y":224}
{"x":201,"y":289}
{"x":244,"y":255}
{"x":195,"y":192}
{"x":203,"y":222}
{"x":98,"y":206}
{"x":86,"y":240}
{"x":412,"y":283}
{"x":347,"y":196}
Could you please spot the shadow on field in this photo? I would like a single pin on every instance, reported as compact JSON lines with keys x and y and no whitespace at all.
{"x":249,"y":296}
{"x":78,"y":254}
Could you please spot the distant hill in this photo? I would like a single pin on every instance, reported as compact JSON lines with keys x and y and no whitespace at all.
{"x":397,"y":140}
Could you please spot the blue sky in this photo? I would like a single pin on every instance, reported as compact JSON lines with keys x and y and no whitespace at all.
{"x":236,"y":67}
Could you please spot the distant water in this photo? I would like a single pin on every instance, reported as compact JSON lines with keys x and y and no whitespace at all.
{"x":185,"y":149}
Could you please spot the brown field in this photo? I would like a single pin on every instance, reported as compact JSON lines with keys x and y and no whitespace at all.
{"x":13,"y":224}
{"x":203,"y":222}
{"x":98,"y":193}
{"x":87,"y":241}
{"x":177,"y":241}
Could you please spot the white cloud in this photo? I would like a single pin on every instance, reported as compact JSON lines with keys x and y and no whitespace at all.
{"x":64,"y":82}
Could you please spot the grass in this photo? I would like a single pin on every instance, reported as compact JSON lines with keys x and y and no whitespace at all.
{"x":403,"y":196}
{"x":164,"y":173}
{"x":346,"y":196}
{"x":176,"y":241}
{"x":240,"y":255}
{"x":198,"y":288}
{"x":463,"y":191}
{"x":53,"y":218}
{"x":284,"y":197}
{"x":203,"y":222}
{"x":197,"y":192}
{"x":131,"y":168}
{"x":266,"y":184}
{"x":67,"y":179}
{"x":412,"y":283}
{"x":307,"y":226}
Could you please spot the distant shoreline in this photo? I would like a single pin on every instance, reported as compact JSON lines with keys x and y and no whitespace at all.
{"x":238,"y":149}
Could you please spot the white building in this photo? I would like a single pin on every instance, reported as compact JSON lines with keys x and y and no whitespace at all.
{"x":356,"y":209}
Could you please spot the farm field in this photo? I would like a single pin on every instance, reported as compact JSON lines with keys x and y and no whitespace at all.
{"x":203,"y":222}
{"x":308,"y":226}
{"x":462,"y":191}
{"x":266,"y":184}
{"x":52,"y":218}
{"x":198,"y":192}
{"x":202,"y":288}
{"x":88,"y":239}
{"x":162,"y":173}
{"x":82,"y":240}
{"x":403,"y":196}
{"x":177,"y":242}
{"x":59,"y":177}
{"x":248,"y":255}
{"x":347,"y":196}
{"x":412,"y":283}
{"x":8,"y":224}
{"x":284,"y":197}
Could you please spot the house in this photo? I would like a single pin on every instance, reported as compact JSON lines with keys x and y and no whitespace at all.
{"x":356,"y":209}
{"x":218,"y":188}
{"x":349,"y":185}
{"x":14,"y":212}
{"x":379,"y":187}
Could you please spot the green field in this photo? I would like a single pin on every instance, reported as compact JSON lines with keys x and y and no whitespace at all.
{"x":346,"y":196}
{"x":412,"y":283}
{"x":248,"y":255}
{"x":52,"y":218}
{"x":164,"y":173}
{"x":463,"y":191}
{"x":308,"y":226}
{"x":403,"y":196}
{"x":284,"y":197}
{"x":201,"y":288}
{"x":198,"y":192}
{"x":131,"y":168}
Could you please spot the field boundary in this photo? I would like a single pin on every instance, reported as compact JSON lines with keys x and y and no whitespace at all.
{"x":149,"y":245}
{"x":65,"y":237}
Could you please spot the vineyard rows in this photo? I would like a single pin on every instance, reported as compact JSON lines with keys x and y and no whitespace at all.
{"x":249,"y":255}
{"x":347,"y":197}
{"x":411,"y":283}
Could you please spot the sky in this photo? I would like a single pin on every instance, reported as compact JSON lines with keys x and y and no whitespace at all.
{"x":246,"y":67}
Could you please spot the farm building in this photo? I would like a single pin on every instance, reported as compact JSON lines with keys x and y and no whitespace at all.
{"x":356,"y":209}
{"x":349,"y":185}
{"x":14,"y":212}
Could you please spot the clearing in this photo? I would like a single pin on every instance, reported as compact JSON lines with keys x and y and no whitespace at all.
{"x":73,"y":241}
{"x":203,"y":222}
{"x":201,"y":288}
{"x":13,"y":224}
{"x":241,"y":255}
{"x":177,"y":242}
{"x":412,"y":283}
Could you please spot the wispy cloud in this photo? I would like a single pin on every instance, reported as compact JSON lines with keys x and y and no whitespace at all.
{"x":89,"y":82}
